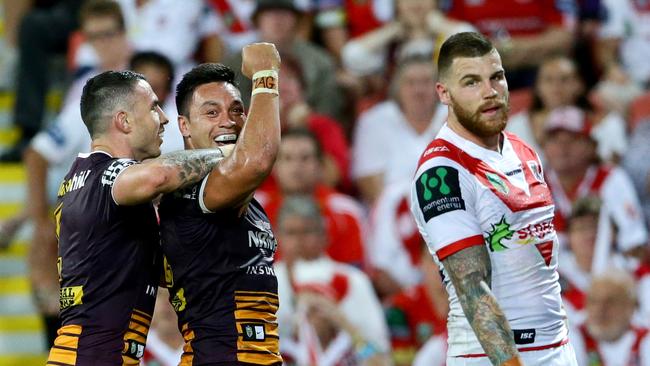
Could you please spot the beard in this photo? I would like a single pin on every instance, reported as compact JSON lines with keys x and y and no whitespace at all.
{"x":473,"y":122}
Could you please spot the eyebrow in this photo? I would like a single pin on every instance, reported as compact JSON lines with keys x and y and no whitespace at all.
{"x":210,"y":103}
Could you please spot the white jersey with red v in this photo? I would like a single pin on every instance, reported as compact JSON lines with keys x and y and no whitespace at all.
{"x":464,"y":195}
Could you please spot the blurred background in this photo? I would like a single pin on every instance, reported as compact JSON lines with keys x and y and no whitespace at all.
{"x":358,"y":107}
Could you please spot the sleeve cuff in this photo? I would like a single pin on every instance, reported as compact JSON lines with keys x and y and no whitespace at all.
{"x":459,"y":245}
{"x":201,"y":202}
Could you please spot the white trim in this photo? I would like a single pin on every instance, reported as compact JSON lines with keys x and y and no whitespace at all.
{"x":201,"y":202}
{"x":85,"y":155}
{"x":115,"y":180}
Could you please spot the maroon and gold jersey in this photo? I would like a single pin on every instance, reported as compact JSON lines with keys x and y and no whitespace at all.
{"x":109,"y":267}
{"x":223,"y":286}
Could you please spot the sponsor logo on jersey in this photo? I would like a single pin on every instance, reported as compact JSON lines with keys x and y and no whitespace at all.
{"x":497,"y":183}
{"x":134,"y":349}
{"x":438,"y":191}
{"x":178,"y":302}
{"x":113,"y":170}
{"x":77,"y":181}
{"x":431,"y":150}
{"x":254,"y":332}
{"x":524,"y":336}
{"x":535,"y":231}
{"x":71,"y":296}
{"x":498,"y":232}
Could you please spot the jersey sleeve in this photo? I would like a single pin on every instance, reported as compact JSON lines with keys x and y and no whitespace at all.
{"x":114,"y":169}
{"x":443,"y":201}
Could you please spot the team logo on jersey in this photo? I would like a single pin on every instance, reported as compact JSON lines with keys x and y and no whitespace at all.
{"x":536,"y":169}
{"x":497,"y":183}
{"x":178,"y":302}
{"x":134,"y":349}
{"x":498,"y":232}
{"x":438,"y":192}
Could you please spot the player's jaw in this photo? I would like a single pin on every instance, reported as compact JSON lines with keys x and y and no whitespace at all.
{"x":487,"y":120}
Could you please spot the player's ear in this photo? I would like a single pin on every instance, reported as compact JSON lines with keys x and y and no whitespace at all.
{"x":184,"y":126}
{"x":121,"y":122}
{"x":443,"y":93}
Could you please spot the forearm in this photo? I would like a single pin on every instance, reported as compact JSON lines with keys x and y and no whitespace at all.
{"x":144,"y":182}
{"x":36,"y":167}
{"x":470,"y":272}
{"x":530,"y":50}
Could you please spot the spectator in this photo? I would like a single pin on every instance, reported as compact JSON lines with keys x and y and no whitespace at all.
{"x":298,"y":171}
{"x":276,"y":22}
{"x":637,"y":167}
{"x":155,"y":25}
{"x":608,"y":337}
{"x":418,"y":314}
{"x":42,"y":34}
{"x":234,"y":24}
{"x":301,"y":230}
{"x":524,"y":32}
{"x":396,"y":243}
{"x":296,"y":113}
{"x":573,"y":172}
{"x":558,"y":84}
{"x":417,"y":29}
{"x":623,"y":38}
{"x":390,"y":137}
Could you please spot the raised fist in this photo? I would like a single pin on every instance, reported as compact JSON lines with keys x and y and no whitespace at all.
{"x":259,"y":56}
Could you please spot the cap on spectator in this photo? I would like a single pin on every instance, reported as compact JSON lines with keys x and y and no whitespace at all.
{"x":263,"y":5}
{"x":571,"y":119}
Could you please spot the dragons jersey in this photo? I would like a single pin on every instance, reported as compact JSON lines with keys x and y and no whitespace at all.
{"x":223,"y":285}
{"x":464,"y":195}
{"x":109,"y":267}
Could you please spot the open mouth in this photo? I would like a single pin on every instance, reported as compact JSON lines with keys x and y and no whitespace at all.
{"x":491,"y":110}
{"x":225,"y":139}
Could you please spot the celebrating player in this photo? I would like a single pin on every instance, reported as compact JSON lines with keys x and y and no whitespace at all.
{"x":106,"y":225}
{"x":216,"y":238}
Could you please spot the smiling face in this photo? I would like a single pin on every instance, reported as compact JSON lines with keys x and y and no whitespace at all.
{"x":477,"y":91}
{"x":215,"y":116}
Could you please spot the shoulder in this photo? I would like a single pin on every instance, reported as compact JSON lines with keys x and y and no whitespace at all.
{"x":440,"y":151}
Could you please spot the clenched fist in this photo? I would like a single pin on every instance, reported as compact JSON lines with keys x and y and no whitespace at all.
{"x":259,"y":56}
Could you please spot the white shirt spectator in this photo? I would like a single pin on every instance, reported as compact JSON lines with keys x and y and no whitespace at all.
{"x":385,"y":143}
{"x":173,"y":28}
{"x":391,"y":226}
{"x":629,"y":21}
{"x":360,"y":304}
{"x":609,"y":133}
{"x":633,"y":348}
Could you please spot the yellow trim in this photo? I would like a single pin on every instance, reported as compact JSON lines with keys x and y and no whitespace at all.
{"x":8,"y":210}
{"x":14,"y":285}
{"x":17,"y":249}
{"x":53,"y":100}
{"x":9,"y":136}
{"x":12,"y":173}
{"x":23,"y":359}
{"x":20,"y":323}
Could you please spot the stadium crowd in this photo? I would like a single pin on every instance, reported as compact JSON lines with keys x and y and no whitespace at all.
{"x":358,"y":106}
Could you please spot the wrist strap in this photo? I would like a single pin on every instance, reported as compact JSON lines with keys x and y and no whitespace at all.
{"x":265,"y":81}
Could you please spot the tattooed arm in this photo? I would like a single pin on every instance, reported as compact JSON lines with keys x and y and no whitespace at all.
{"x":470,"y":272}
{"x":143,"y":182}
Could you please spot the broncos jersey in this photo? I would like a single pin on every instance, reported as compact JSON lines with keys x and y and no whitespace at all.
{"x":464,"y":195}
{"x":109,"y":267}
{"x":223,"y":286}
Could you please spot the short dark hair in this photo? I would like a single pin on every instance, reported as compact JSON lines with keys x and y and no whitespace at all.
{"x":465,"y":44}
{"x":202,"y":74}
{"x":153,"y":58}
{"x":102,"y":94}
{"x":102,"y":8}
{"x":586,"y":206}
{"x":301,"y":132}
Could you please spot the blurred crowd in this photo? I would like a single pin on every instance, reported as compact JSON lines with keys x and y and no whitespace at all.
{"x":358,"y":107}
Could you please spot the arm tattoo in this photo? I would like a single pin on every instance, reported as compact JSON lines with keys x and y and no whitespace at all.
{"x":192,"y":165}
{"x":470,"y":272}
